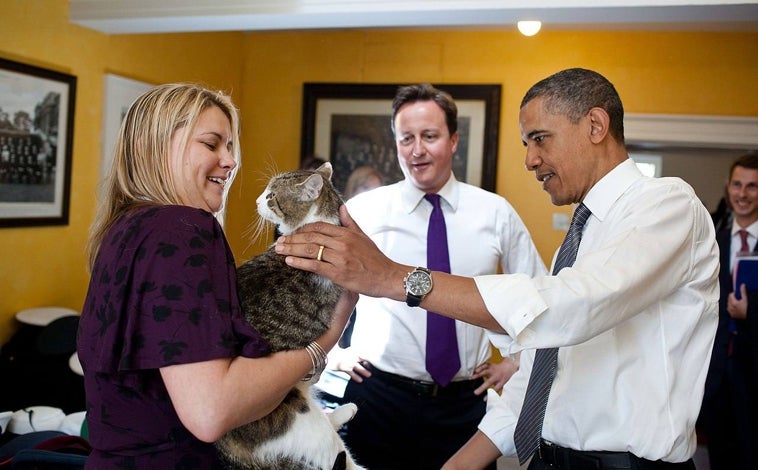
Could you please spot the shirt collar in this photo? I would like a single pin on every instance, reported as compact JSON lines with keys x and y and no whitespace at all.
{"x":610,"y":187}
{"x":752,"y":229}
{"x":411,"y":196}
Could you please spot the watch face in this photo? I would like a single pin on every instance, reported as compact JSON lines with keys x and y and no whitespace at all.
{"x":419,"y":283}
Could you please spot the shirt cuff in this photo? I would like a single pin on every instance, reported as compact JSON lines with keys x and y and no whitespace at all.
{"x":513,"y":300}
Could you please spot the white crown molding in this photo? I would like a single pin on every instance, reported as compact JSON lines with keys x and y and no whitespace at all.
{"x":145,"y":16}
{"x":678,"y":130}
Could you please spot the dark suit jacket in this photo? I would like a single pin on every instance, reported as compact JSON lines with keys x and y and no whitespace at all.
{"x":746,"y":341}
{"x":747,"y":347}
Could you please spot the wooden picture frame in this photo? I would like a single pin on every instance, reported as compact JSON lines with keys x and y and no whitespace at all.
{"x":349,"y":125}
{"x":36,"y":142}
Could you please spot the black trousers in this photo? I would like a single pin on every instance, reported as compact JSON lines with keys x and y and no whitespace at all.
{"x":406,"y":425}
{"x":730,"y":420}
{"x":551,"y":457}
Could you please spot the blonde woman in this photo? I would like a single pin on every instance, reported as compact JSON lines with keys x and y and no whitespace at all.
{"x":170,"y":364}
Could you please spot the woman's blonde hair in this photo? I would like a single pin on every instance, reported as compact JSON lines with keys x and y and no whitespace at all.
{"x":140,"y":173}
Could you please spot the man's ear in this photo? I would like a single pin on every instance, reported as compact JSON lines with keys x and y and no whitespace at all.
{"x":454,"y":139}
{"x":599,"y":121}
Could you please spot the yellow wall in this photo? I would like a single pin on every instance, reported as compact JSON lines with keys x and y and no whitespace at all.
{"x":670,"y":73}
{"x":682,"y":73}
{"x":42,"y":266}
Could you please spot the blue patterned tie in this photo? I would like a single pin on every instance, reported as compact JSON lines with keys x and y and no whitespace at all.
{"x":529,"y":426}
{"x":442,"y":360}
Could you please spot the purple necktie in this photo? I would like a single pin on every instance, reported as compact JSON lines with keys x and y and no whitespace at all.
{"x":529,"y":425}
{"x":442,"y":359}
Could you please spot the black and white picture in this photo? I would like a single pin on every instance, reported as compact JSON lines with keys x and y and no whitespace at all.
{"x":36,"y":133}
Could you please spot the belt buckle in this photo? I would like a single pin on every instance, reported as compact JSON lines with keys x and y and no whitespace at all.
{"x":551,"y":457}
{"x":435,"y":390}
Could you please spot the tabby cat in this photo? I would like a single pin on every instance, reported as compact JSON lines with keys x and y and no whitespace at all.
{"x":291,"y":308}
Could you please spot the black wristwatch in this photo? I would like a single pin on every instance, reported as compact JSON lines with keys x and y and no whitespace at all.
{"x":417,"y":283}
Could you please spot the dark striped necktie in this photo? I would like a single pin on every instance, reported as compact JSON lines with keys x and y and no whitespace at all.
{"x":529,"y":426}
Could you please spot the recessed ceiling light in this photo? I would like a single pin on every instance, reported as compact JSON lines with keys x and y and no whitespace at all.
{"x":529,"y":28}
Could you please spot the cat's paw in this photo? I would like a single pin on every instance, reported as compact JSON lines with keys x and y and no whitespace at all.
{"x":342,"y":414}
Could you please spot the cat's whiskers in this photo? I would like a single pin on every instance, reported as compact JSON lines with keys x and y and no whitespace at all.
{"x":255,"y":230}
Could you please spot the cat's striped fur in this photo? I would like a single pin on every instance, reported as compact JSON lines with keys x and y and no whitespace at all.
{"x":291,"y":308}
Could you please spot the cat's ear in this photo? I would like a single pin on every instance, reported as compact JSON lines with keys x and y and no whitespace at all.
{"x":311,"y":187}
{"x":325,"y":170}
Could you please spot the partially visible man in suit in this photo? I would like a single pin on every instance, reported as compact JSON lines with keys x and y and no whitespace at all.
{"x":730,"y":405}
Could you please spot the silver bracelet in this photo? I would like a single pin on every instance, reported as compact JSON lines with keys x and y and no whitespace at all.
{"x":318,"y":360}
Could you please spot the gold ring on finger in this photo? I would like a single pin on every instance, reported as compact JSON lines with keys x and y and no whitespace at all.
{"x":320,"y":252}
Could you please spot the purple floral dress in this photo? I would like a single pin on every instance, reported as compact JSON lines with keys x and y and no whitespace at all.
{"x":162,"y":292}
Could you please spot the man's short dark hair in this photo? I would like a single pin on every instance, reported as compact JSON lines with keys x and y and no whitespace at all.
{"x":426,"y":92}
{"x":749,"y":160}
{"x":573,"y":92}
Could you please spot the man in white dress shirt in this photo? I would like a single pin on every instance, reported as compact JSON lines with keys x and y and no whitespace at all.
{"x":405,"y":420}
{"x":634,"y":318}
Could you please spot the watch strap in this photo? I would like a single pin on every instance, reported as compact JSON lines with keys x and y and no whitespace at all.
{"x":413,"y":300}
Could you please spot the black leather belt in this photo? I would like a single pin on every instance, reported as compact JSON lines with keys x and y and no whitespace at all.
{"x":426,"y":389}
{"x":570,"y":459}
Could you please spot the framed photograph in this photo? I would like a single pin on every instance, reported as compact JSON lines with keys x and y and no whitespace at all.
{"x":36,"y":139}
{"x":120,"y":92}
{"x":349,"y":125}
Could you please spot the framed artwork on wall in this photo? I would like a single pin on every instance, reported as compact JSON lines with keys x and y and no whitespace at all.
{"x":120,"y":92}
{"x":36,"y":141}
{"x":348,"y":124}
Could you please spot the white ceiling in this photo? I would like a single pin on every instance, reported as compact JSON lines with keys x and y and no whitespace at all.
{"x":150,"y":16}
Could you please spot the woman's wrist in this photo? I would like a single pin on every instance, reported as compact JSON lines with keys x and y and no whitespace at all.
{"x":319,"y":360}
